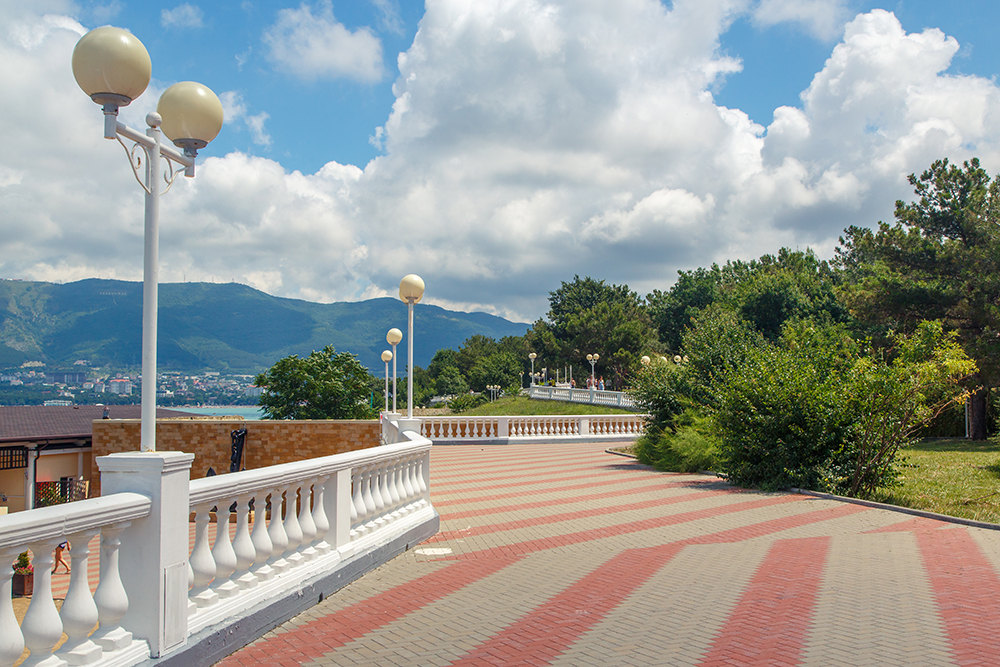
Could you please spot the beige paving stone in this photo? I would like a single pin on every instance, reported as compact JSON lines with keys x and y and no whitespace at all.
{"x":672,"y":619}
{"x":875,"y":606}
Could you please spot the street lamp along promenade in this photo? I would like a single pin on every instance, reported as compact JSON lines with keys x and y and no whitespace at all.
{"x":532,"y":357}
{"x":386,"y":356}
{"x":593,"y":358}
{"x":113,"y":67}
{"x":411,"y":290}
{"x":393,"y":337}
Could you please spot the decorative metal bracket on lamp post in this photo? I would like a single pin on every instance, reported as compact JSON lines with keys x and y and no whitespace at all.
{"x":411,"y":290}
{"x":393,"y":337}
{"x":113,"y":67}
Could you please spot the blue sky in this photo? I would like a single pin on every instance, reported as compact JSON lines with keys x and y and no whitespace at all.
{"x":494,"y":147}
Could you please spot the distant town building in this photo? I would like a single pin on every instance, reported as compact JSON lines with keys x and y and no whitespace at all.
{"x":66,"y":377}
{"x":120,"y":387}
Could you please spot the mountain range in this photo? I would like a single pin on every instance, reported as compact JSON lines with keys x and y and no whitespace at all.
{"x":215,"y":327}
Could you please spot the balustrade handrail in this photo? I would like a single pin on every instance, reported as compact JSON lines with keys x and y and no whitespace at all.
{"x":220,"y":487}
{"x":46,"y":523}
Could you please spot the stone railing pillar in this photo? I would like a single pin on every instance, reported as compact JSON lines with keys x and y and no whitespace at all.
{"x":152,"y":561}
{"x":503,"y":427}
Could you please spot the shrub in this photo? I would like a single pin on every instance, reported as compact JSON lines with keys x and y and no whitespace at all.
{"x":22,"y":565}
{"x":466,"y":402}
{"x":690,"y":446}
{"x":808,"y":414}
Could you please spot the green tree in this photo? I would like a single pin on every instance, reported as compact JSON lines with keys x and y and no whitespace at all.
{"x":500,"y":368}
{"x":443,"y":359}
{"x":765,"y":292}
{"x":940,"y":260}
{"x":589,"y":316}
{"x":324,"y":385}
{"x":450,"y":382}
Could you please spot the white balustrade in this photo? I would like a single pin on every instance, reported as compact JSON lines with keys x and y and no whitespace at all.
{"x":593,"y":396}
{"x":322,"y":512}
{"x":458,"y":428}
{"x":299,"y":533}
{"x":40,"y":531}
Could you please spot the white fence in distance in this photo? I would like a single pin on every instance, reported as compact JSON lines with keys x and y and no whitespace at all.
{"x":613,"y":399}
{"x":510,"y":429}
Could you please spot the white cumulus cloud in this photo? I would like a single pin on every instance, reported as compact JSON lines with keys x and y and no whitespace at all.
{"x":317,"y":46}
{"x":182,"y":16}
{"x":530,"y":140}
{"x":824,"y":19}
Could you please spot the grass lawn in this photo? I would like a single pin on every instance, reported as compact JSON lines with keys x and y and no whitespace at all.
{"x":522,"y":405}
{"x":951,"y":476}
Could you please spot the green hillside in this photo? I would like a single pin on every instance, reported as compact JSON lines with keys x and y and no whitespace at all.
{"x":207,"y":326}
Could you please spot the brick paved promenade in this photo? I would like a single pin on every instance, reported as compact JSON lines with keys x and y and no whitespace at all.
{"x":565,"y":555}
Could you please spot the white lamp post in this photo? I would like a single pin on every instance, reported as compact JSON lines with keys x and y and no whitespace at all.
{"x":532,"y":357}
{"x":592,"y":358}
{"x":645,"y":360}
{"x":113,"y":67}
{"x":393,"y":337}
{"x":411,"y":289}
{"x":386,"y":356}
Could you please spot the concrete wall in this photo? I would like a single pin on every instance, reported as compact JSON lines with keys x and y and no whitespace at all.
{"x":53,"y":465}
{"x":12,"y":486}
{"x":268,"y":442}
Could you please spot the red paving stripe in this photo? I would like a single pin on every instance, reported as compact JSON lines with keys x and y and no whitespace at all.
{"x":634,"y":490}
{"x":474,"y":483}
{"x":325,"y":634}
{"x":732,"y":535}
{"x":548,"y":490}
{"x":313,"y":639}
{"x":447,"y":491}
{"x":966,"y":587}
{"x":914,"y":525}
{"x":772,"y":617}
{"x":549,"y":629}
{"x":510,"y":462}
{"x":571,"y":516}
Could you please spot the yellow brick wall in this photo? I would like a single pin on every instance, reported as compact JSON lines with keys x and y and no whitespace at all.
{"x":268,"y":442}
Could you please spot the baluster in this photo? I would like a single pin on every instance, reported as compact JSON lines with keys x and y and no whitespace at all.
{"x":411,"y":469}
{"x":42,"y":626}
{"x":408,"y":490}
{"x":11,"y":640}
{"x":79,"y":611}
{"x":276,"y":531}
{"x":358,"y":509}
{"x":392,"y":504}
{"x":292,"y":528}
{"x":202,"y":562}
{"x":306,"y":521}
{"x":320,"y":519}
{"x":385,"y":487}
{"x":262,"y":546}
{"x":421,"y":484}
{"x":399,"y":489}
{"x":372,"y":498}
{"x":110,"y":596}
{"x":223,"y":552}
{"x":379,"y":494}
{"x":243,"y":545}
